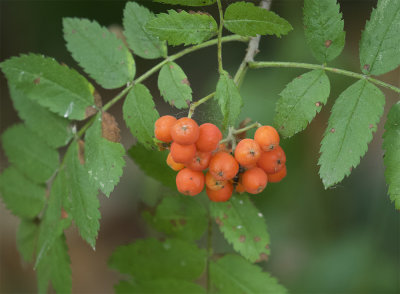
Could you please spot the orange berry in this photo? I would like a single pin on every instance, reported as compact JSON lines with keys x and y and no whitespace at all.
{"x":190,"y":182}
{"x":239,"y":185}
{"x":223,"y":166}
{"x":182,"y":153}
{"x":185,"y":131}
{"x":214,"y":184}
{"x":272,"y":161}
{"x":220,"y":195}
{"x":174,"y":165}
{"x":200,"y":161}
{"x":267,"y":137}
{"x":254,"y":180}
{"x":278,"y":176}
{"x":247,"y":152}
{"x":209,"y":137}
{"x":162,"y":128}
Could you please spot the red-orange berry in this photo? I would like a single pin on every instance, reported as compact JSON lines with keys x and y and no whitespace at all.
{"x":267,"y":137}
{"x":239,"y":185}
{"x":247,"y":152}
{"x":214,"y":184}
{"x":223,"y":166}
{"x":185,"y":131}
{"x":278,"y":176}
{"x":182,"y":153}
{"x":200,"y":161}
{"x":209,"y":137}
{"x":272,"y":161}
{"x":220,"y":195}
{"x":174,"y":165}
{"x":162,"y":128}
{"x":254,"y":180}
{"x":190,"y":182}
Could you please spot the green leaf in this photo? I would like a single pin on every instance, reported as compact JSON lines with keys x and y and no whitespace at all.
{"x":300,"y":101}
{"x":26,"y":239}
{"x":159,"y":286}
{"x":140,"y":114}
{"x":139,"y":40}
{"x":354,"y":117}
{"x":29,"y":153}
{"x":180,"y":217}
{"x":243,"y":226}
{"x":245,"y":19}
{"x":380,"y":42}
{"x":233,"y":274}
{"x":229,"y":99}
{"x":55,"y":268}
{"x":104,"y":159}
{"x":21,"y":196}
{"x":187,"y":2}
{"x":323,"y":28}
{"x":183,"y":28}
{"x":150,"y":259}
{"x":44,"y":80}
{"x":174,"y":85}
{"x":81,"y":197}
{"x":100,"y":53}
{"x":391,"y":145}
{"x":153,"y":163}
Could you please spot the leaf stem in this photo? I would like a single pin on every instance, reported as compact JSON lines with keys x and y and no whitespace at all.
{"x":199,"y":102}
{"x":265,"y":64}
{"x":233,"y":132}
{"x":221,"y":26}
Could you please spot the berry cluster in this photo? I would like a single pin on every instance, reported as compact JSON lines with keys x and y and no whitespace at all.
{"x":194,"y":148}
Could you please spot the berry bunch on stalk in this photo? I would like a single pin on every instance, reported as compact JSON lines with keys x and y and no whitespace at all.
{"x":233,"y":163}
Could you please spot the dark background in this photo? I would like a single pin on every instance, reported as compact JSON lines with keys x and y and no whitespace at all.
{"x":340,"y":240}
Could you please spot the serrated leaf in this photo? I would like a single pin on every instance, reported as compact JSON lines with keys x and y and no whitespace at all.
{"x":159,"y":286}
{"x":174,"y":85}
{"x":26,"y":239}
{"x":354,"y":117}
{"x":54,"y":86}
{"x":233,"y":274}
{"x":55,"y":268}
{"x":391,"y":145}
{"x":243,"y":226}
{"x":29,"y":153}
{"x":187,"y":2}
{"x":245,"y":19}
{"x":81,"y":198}
{"x":139,"y":40}
{"x":150,"y":259}
{"x":182,"y":28}
{"x":140,"y":114}
{"x":104,"y":159}
{"x":229,"y":99}
{"x":179,"y":217}
{"x":100,"y":53}
{"x":300,"y":101}
{"x":380,"y":42}
{"x":323,"y":28}
{"x":23,"y":197}
{"x":151,"y":162}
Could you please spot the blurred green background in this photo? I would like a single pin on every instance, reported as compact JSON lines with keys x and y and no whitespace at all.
{"x":341,"y":240}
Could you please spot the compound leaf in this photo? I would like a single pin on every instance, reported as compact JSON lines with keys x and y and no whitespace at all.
{"x":391,"y":145}
{"x":380,"y":42}
{"x":243,"y":226}
{"x":323,"y":28}
{"x":139,"y":40}
{"x":29,"y":153}
{"x":26,"y":239}
{"x":100,"y":53}
{"x":187,"y":2}
{"x":354,"y":117}
{"x":182,"y":28}
{"x":159,"y":286}
{"x":174,"y":85}
{"x":243,"y":18}
{"x":300,"y":101}
{"x":54,"y":86}
{"x":173,"y":258}
{"x":104,"y":159}
{"x":233,"y":274}
{"x":140,"y":114}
